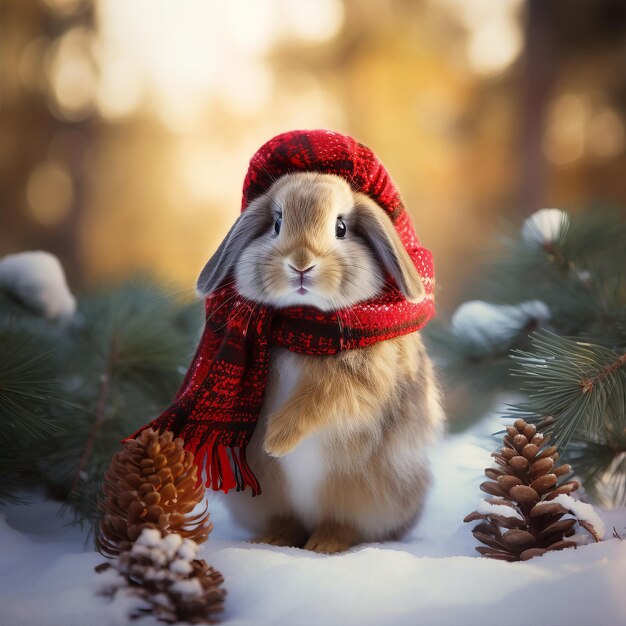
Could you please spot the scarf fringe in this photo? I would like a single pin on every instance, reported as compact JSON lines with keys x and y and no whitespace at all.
{"x":225,"y":467}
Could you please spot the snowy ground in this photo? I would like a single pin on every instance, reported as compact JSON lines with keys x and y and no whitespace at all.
{"x":433,"y":577}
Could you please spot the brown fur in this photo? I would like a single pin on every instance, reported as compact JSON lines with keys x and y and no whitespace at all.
{"x":283,"y":530}
{"x":374,"y":410}
{"x":331,"y":537}
{"x":345,"y":271}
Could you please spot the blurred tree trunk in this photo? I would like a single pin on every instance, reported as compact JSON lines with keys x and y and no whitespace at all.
{"x":538,"y":71}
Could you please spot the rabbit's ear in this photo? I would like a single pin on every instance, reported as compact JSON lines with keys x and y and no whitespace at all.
{"x":374,"y":225}
{"x":249,"y":225}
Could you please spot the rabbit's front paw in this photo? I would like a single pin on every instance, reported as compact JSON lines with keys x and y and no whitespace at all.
{"x":282,"y":435}
{"x":330,"y":537}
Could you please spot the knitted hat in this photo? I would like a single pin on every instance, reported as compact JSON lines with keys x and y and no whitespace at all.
{"x":328,"y":152}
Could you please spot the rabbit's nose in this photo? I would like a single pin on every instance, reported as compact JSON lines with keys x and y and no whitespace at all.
{"x":295,"y":269}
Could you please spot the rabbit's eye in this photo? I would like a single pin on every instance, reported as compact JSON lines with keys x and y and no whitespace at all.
{"x":340,"y":229}
{"x":278,"y":224}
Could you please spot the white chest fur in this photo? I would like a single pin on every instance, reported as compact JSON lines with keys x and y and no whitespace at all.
{"x":305,"y":466}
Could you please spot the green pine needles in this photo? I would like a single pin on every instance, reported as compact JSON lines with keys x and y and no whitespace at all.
{"x":577,"y":390}
{"x":573,"y":387}
{"x":552,"y":336}
{"x":27,"y":389}
{"x":70,"y":392}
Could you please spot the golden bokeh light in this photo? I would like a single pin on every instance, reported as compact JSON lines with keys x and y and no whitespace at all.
{"x":247,"y":89}
{"x":312,"y":20}
{"x":564,"y":138}
{"x":207,"y":172}
{"x":305,"y":104}
{"x":606,"y":134}
{"x":72,"y":75}
{"x":494,"y":45}
{"x":579,"y":128}
{"x":120,"y":90}
{"x":202,"y":53}
{"x":494,"y":33}
{"x":130,"y":124}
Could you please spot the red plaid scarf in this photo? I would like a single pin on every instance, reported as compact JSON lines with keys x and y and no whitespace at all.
{"x":218,"y":404}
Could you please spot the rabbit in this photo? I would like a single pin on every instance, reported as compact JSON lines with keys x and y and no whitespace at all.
{"x":340,"y":447}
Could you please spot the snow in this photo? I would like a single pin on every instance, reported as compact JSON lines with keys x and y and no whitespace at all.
{"x":188,"y":550}
{"x":188,"y":587}
{"x":488,"y":326}
{"x":173,"y":548}
{"x":432,"y":577}
{"x":149,"y":537}
{"x":180,"y":566}
{"x":582,"y":511}
{"x":38,"y":280}
{"x":545,"y":226}
{"x":172,"y":543}
{"x":487,"y":508}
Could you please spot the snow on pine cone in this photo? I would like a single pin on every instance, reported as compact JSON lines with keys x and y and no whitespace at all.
{"x":163,"y":575}
{"x":524,"y":517}
{"x":151,"y":483}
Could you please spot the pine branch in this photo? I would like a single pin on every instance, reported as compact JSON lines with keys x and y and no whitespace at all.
{"x":584,"y":260}
{"x":574,"y":387}
{"x":68,"y":395}
{"x":126,"y":362}
{"x":103,"y":397}
{"x":575,"y":266}
{"x":589,"y":384}
{"x":27,"y":386}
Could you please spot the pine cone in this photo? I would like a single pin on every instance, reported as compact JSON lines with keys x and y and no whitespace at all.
{"x":172,"y":584}
{"x":152,"y":483}
{"x":529,"y":503}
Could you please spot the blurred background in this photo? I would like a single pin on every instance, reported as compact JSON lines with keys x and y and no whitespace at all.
{"x":127,"y":125}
